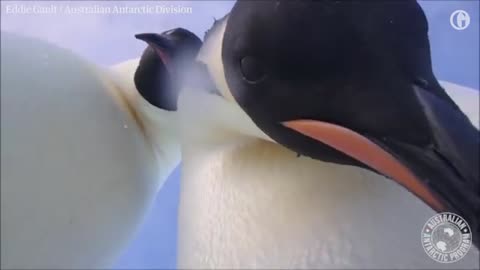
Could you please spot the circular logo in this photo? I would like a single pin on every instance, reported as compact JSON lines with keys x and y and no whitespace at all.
{"x":446,"y":237}
{"x":459,"y":19}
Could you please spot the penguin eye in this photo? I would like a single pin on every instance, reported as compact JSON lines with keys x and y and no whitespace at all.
{"x":252,"y":69}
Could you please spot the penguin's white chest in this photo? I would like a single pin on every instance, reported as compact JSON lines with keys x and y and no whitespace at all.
{"x":259,"y":206}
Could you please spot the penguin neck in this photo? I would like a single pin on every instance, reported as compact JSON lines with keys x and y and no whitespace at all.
{"x":246,"y":202}
{"x":158,"y":126}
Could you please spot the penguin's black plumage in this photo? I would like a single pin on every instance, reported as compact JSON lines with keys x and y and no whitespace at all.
{"x":157,"y":77}
{"x":363,"y":67}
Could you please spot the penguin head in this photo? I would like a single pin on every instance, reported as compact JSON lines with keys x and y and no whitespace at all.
{"x":161,"y":65}
{"x":350,"y":82}
{"x":325,"y":60}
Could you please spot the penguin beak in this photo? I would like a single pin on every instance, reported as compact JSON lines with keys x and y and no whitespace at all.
{"x":162,"y":45}
{"x":159,"y":73}
{"x":445,"y":174}
{"x":369,"y":153}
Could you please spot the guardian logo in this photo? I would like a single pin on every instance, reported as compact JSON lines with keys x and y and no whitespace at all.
{"x":459,"y":19}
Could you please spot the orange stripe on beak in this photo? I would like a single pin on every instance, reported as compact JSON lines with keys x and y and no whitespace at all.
{"x":367,"y":152}
{"x":164,"y":56}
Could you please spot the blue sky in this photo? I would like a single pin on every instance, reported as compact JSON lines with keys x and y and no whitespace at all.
{"x":108,"y":38}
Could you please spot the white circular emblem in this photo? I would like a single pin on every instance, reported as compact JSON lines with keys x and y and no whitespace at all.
{"x":446,"y":237}
{"x":459,"y":19}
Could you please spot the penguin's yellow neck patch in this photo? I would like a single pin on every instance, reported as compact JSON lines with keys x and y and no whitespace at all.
{"x":211,"y":55}
{"x":120,"y":96}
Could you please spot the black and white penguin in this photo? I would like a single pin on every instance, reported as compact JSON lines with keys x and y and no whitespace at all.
{"x":248,"y":200}
{"x":84,"y":150}
{"x":349,"y":86}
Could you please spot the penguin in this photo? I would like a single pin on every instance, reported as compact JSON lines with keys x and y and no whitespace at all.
{"x":330,"y":144}
{"x":84,"y":149}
